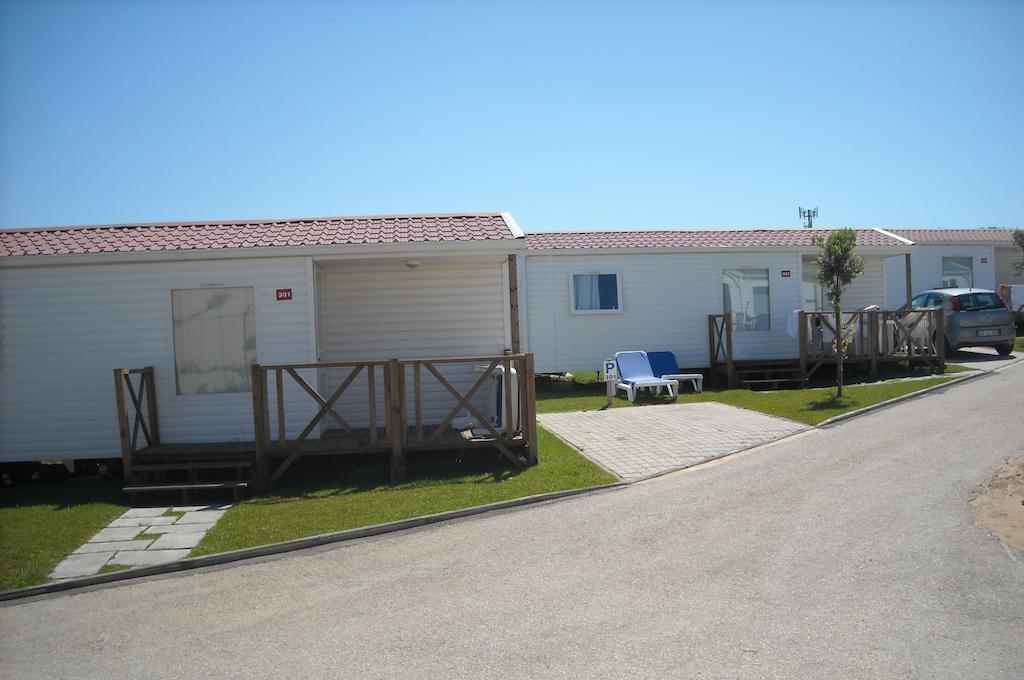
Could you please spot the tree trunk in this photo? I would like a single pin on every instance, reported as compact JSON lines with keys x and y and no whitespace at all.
{"x":840,"y":351}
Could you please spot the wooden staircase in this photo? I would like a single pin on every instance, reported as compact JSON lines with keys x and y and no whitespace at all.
{"x":190,"y":477}
{"x":770,"y":377}
{"x":152,"y":467}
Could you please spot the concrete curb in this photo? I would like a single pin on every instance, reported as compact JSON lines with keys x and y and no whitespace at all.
{"x":297,"y":544}
{"x":896,"y":400}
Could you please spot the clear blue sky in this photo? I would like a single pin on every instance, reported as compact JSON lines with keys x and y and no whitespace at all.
{"x":569,"y":115}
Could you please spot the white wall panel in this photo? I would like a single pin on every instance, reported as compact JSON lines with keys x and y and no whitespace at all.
{"x":388,"y":311}
{"x":66,"y":327}
{"x":926,"y":270}
{"x":666,"y":300}
{"x":1005,"y":257}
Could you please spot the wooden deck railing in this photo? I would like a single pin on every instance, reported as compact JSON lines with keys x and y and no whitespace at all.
{"x":135,"y":396}
{"x":377,"y":407}
{"x":873,"y":336}
{"x":402,"y":423}
{"x":720,"y":345}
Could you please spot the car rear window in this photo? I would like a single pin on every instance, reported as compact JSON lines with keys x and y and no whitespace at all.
{"x":973,"y":302}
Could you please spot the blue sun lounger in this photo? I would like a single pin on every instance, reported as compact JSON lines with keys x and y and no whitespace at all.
{"x":635,"y":373}
{"x":664,"y":365}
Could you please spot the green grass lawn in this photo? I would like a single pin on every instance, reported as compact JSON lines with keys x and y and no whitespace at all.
{"x":1018,"y":344}
{"x":810,"y":406}
{"x":306,"y":506}
{"x":42,"y":523}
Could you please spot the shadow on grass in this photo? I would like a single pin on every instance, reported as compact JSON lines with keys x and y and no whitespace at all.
{"x":829,"y":404}
{"x":308,"y":478}
{"x":61,"y":494}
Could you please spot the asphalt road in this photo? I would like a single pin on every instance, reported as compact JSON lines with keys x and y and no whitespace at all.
{"x":845,"y":552}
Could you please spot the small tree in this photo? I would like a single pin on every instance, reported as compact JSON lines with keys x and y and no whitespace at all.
{"x":1018,"y":239}
{"x":838,"y":265}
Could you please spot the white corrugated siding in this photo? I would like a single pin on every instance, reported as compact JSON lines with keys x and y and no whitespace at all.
{"x":1005,"y":257}
{"x":926,"y":270}
{"x":868,"y":288}
{"x":388,"y":311}
{"x":65,"y":328}
{"x":666,"y":301}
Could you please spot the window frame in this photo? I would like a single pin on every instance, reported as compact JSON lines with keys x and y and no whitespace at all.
{"x":170,"y":386}
{"x":768,"y":278}
{"x":942,"y":265}
{"x":603,"y":272}
{"x":820,"y":303}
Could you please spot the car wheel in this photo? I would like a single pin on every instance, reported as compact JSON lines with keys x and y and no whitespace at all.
{"x":1004,"y":349}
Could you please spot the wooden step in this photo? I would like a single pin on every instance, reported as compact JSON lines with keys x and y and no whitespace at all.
{"x":236,"y":487}
{"x":193,"y":465}
{"x":772,"y":380}
{"x":770,"y":372}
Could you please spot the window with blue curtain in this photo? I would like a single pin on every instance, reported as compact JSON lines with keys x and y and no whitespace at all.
{"x":595,"y":292}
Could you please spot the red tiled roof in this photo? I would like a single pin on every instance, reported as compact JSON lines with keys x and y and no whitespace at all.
{"x":981,"y":235}
{"x":325,"y":231}
{"x":707,"y":238}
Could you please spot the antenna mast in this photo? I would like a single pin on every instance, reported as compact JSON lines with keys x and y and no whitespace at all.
{"x":808,"y":215}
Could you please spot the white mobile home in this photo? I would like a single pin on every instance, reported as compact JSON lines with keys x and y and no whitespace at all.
{"x":590,"y":294}
{"x":201,"y":303}
{"x":947,"y":258}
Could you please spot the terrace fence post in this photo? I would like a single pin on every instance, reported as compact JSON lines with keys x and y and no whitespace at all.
{"x":873,"y":345}
{"x":282,"y":428}
{"x":730,"y":366}
{"x":258,"y":427}
{"x":154,"y":424}
{"x":531,"y":412}
{"x":122,"y":422}
{"x":940,"y":339}
{"x":909,"y":280}
{"x":513,"y":303}
{"x":711,"y":340}
{"x":803,"y":338}
{"x":712,"y":352}
{"x":395,"y":419}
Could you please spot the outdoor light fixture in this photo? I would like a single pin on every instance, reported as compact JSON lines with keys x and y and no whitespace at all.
{"x":412,"y":264}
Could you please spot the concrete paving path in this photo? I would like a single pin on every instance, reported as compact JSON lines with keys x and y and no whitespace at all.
{"x":983,"y":358}
{"x":141,"y":537}
{"x":847,"y":552}
{"x":634,"y":443}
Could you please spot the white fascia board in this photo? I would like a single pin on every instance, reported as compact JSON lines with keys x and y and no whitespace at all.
{"x":356,"y":251}
{"x":513,"y":226}
{"x":889,"y":234}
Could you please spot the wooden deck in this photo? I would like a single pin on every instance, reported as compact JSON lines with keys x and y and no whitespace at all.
{"x":871,"y":339}
{"x":401,"y":426}
{"x":332,"y":443}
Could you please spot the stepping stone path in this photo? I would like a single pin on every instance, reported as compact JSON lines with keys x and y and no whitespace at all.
{"x":180,"y":529}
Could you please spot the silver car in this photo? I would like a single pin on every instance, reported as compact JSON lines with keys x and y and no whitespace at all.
{"x":974,"y":317}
